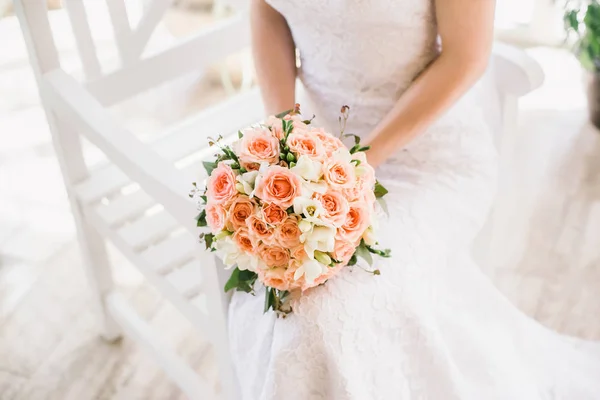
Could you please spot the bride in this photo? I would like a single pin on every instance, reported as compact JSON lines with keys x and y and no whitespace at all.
{"x":432,"y":326}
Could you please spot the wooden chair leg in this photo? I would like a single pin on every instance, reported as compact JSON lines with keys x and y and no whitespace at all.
{"x":99,"y":274}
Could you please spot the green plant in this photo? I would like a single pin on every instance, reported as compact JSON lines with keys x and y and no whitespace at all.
{"x":582,"y":21}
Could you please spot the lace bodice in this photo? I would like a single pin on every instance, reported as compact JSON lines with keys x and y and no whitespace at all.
{"x":363,"y":53}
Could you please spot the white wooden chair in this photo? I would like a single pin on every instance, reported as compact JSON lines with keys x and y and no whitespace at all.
{"x":162,"y":244}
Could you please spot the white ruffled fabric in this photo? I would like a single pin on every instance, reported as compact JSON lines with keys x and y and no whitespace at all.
{"x":432,"y":326}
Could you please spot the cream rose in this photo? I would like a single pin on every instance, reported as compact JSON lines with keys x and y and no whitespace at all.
{"x":221,"y":184}
{"x":278,"y":185}
{"x":257,"y":146}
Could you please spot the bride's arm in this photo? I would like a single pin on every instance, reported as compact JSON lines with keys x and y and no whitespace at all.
{"x":274,"y":57}
{"x":466,"y":30}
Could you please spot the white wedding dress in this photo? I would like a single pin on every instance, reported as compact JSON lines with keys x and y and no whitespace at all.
{"x":432,"y":326}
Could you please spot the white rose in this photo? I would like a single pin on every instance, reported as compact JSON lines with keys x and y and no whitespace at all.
{"x":342,"y":154}
{"x":369,"y":236}
{"x":308,"y":169}
{"x":228,"y":251}
{"x":246,"y":182}
{"x":311,"y":270}
{"x":310,"y":188}
{"x":319,"y":238}
{"x":310,"y":209}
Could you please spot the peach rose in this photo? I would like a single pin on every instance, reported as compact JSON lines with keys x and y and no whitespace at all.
{"x":289,"y":275}
{"x":335,"y":205}
{"x":215,"y":217}
{"x":240,"y":209}
{"x":343,"y":251}
{"x":257,"y":146}
{"x":339,"y":174}
{"x":221,"y":184}
{"x":288,"y":233}
{"x":357,"y":221}
{"x":278,"y":185}
{"x":330,"y":143}
{"x":361,"y":191}
{"x":244,"y":240}
{"x":299,"y":253}
{"x":277,"y":127}
{"x":259,"y":229}
{"x":364,"y":171}
{"x":306,"y":144}
{"x":274,"y":277}
{"x":274,"y":256}
{"x":273,"y":214}
{"x":331,"y":272}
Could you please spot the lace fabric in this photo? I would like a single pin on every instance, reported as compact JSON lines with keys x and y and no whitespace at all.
{"x":432,"y":326}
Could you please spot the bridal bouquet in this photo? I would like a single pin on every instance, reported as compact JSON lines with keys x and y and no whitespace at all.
{"x":289,"y":206}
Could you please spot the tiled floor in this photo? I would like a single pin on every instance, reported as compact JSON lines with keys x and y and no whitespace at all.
{"x":48,"y":343}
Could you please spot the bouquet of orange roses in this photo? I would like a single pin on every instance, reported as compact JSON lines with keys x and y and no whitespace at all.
{"x":289,"y":206}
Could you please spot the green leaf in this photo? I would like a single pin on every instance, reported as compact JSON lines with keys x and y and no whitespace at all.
{"x":364,"y":253}
{"x":204,"y":198}
{"x":233,"y":281}
{"x":209,"y":166}
{"x":356,"y":162}
{"x":356,"y":137}
{"x":353,"y":260}
{"x":240,"y":134}
{"x":383,"y":205}
{"x":385,"y":253}
{"x":201,"y":219}
{"x":284,"y":113}
{"x":242,"y":281}
{"x":364,"y":148}
{"x":209,"y":239}
{"x":269,"y":299}
{"x":379,"y":190}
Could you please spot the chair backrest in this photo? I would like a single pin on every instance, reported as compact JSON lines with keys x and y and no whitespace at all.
{"x":79,"y":108}
{"x":136,"y":71}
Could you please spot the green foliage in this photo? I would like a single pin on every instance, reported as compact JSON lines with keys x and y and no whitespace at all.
{"x":242,"y":281}
{"x":209,"y":166}
{"x":380,"y":190}
{"x":201,"y":219}
{"x":284,"y":113}
{"x":582,"y":21}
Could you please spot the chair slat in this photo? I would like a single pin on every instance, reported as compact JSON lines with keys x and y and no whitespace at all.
{"x":195,"y":54}
{"x":120,"y":23}
{"x":170,"y":253}
{"x":104,"y":181}
{"x":183,"y":139}
{"x":83,"y":39}
{"x":200,"y":303}
{"x":147,"y":230}
{"x":124,"y":208}
{"x":187,"y":279}
{"x":226,"y":118}
{"x":152,"y":16}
